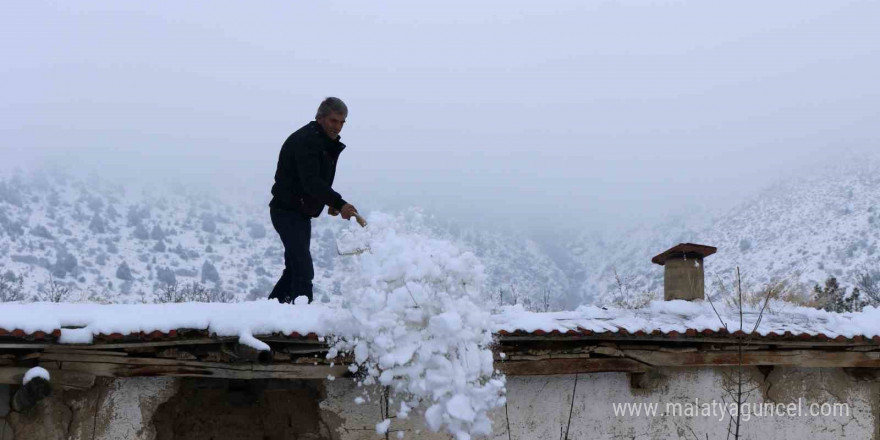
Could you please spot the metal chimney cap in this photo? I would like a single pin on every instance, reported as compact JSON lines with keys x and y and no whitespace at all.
{"x":684,"y":249}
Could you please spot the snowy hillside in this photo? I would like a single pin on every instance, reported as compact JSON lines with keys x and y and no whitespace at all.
{"x":109,"y":243}
{"x":801,"y":230}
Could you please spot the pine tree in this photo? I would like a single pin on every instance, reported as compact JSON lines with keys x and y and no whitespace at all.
{"x":855,"y":300}
{"x":834,"y":298}
{"x":831,"y":297}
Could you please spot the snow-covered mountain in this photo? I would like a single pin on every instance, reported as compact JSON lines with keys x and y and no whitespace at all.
{"x":111,"y":243}
{"x":825,"y":222}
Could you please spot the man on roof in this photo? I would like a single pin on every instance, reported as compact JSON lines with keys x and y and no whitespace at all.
{"x":303,"y":186}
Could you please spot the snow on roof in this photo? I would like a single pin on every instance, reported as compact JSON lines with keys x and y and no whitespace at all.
{"x":81,"y":323}
{"x":673,"y":318}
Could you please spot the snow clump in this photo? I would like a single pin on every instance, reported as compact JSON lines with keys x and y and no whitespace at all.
{"x":414,"y":323}
{"x":34,"y":373}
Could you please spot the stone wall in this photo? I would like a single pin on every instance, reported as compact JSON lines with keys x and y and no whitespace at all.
{"x":5,"y":399}
{"x":112,"y":409}
{"x":539,"y":407}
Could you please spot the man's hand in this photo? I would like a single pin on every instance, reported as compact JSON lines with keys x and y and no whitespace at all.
{"x":332,"y":211}
{"x":348,"y":211}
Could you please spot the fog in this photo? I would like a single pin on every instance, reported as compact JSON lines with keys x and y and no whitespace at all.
{"x":568,"y":114}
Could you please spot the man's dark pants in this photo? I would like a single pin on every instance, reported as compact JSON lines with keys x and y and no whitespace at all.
{"x":295,"y":230}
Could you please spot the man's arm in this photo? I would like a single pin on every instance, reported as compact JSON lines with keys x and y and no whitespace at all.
{"x":308,"y":159}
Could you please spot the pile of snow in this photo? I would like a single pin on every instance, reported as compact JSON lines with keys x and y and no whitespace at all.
{"x":34,"y":373}
{"x":415,"y":325}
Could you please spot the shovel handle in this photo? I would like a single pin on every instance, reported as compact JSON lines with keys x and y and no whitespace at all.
{"x":360,"y":220}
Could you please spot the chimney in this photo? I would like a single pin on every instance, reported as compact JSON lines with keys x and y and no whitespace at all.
{"x":684,"y":271}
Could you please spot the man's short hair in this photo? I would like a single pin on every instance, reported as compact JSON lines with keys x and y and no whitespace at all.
{"x":331,"y":105}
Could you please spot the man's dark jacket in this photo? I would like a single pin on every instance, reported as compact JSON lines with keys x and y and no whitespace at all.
{"x":306,"y":168}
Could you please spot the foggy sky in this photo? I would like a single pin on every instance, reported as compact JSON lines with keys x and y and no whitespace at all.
{"x":573,"y":113}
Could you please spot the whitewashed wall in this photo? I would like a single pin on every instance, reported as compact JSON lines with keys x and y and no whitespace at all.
{"x":539,"y":407}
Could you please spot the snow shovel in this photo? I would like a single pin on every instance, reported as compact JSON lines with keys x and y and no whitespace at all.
{"x":356,"y":251}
